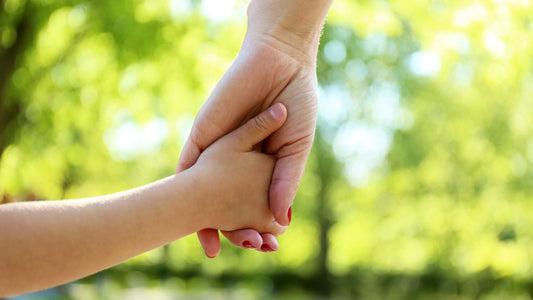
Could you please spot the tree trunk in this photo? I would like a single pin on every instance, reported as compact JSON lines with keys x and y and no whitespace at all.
{"x":327,"y":171}
{"x":11,"y":109}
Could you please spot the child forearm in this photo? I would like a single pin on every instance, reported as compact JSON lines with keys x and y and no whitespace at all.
{"x":46,"y":243}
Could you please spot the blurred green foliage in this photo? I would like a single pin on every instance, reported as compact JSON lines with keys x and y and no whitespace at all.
{"x":419,"y":184}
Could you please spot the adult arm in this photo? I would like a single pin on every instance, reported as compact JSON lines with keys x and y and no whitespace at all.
{"x":276,"y":63}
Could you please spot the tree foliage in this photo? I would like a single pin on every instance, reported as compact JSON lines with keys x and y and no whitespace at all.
{"x":420,"y":180}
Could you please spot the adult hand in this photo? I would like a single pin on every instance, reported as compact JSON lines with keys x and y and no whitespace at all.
{"x":276,"y":63}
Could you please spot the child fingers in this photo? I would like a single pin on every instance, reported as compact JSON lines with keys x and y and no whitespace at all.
{"x":261,"y":126}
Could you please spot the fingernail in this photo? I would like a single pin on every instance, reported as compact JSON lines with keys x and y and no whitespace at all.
{"x":290,"y":214}
{"x":276,"y":111}
{"x":266,"y":248}
{"x":247,"y":244}
{"x":209,"y":256}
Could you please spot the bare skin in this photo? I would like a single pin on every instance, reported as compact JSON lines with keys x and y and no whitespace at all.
{"x":276,"y":64}
{"x":226,"y":189}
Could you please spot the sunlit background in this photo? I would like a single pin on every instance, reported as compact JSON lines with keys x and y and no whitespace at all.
{"x":419,"y":186}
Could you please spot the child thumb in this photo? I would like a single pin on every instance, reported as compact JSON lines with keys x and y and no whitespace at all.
{"x":261,"y":126}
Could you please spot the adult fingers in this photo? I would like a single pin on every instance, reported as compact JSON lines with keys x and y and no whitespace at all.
{"x":238,"y":95}
{"x":250,"y":238}
{"x":260,"y":127}
{"x":288,"y":172}
{"x":244,"y":238}
{"x":270,"y":244}
{"x":235,"y":97}
{"x":210,"y":242}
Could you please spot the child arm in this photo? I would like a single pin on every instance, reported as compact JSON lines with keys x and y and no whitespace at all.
{"x":47,"y":243}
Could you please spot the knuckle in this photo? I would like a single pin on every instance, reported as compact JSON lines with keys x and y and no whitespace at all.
{"x":261,"y":123}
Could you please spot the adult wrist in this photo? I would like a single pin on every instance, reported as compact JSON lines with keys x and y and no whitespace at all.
{"x":295,"y":24}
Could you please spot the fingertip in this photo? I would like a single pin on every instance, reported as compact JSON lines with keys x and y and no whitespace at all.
{"x":282,"y":218}
{"x":189,"y":155}
{"x":278,"y":112}
{"x":270,"y":244}
{"x":252,"y":244}
{"x":281,"y":215}
{"x":288,"y":172}
{"x":244,"y":238}
{"x":181,"y":167}
{"x":210,"y":242}
{"x":261,"y":126}
{"x":212,"y":252}
{"x":281,"y":200}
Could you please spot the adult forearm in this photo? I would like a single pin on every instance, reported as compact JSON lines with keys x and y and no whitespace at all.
{"x":47,"y":243}
{"x":297,"y":23}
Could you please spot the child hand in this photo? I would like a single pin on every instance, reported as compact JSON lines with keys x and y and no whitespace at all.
{"x":234,"y":180}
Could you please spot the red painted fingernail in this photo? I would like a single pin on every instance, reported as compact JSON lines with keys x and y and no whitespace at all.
{"x":290,"y":214}
{"x":247,"y":244}
{"x":266,"y":248}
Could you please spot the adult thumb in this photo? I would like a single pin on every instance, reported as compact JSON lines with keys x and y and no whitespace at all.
{"x":260,"y":127}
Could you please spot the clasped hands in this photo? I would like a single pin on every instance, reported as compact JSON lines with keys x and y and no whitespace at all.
{"x":238,"y":171}
{"x":274,"y":65}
